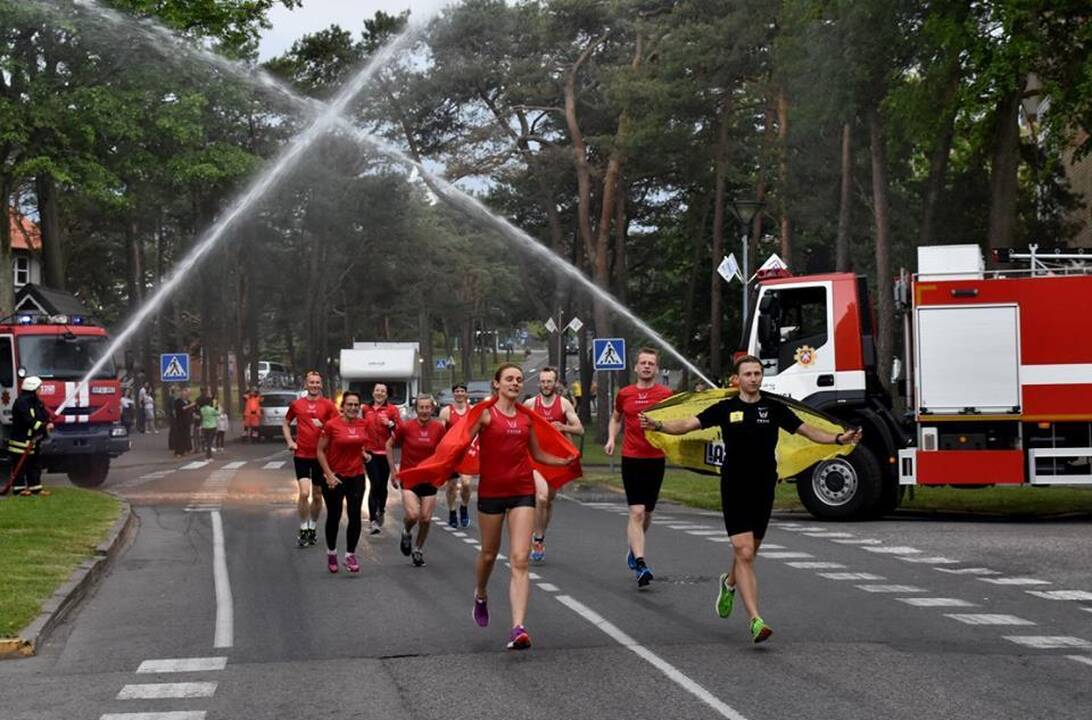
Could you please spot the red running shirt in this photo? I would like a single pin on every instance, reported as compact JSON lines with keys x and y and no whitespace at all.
{"x":505,"y":457}
{"x":378,"y":419}
{"x":553,"y":413}
{"x":310,"y":416}
{"x":345,"y":446}
{"x":454,"y":417}
{"x":418,"y":441}
{"x":631,"y":401}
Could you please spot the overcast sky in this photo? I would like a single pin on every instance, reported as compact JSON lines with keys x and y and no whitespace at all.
{"x":288,"y":26}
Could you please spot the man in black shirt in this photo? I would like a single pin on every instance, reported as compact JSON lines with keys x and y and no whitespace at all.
{"x":749,"y":425}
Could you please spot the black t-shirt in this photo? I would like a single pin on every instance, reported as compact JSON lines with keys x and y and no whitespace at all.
{"x":749,"y":431}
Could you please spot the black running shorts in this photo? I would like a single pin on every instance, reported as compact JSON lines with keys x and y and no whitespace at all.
{"x":642,"y":478}
{"x":500,"y":505}
{"x":309,"y":468}
{"x":424,"y":490}
{"x":747,"y":503}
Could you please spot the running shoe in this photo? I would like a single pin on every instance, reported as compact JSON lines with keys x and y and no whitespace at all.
{"x":301,"y":541}
{"x":351,"y":563}
{"x":538,"y":548}
{"x":519,"y":639}
{"x":631,"y":559}
{"x":406,"y":543}
{"x":452,"y":519}
{"x":643,"y":575}
{"x":312,"y":536}
{"x":374,"y":528}
{"x":382,"y":517}
{"x":418,"y":557}
{"x":725,"y":597}
{"x":481,"y":611}
{"x":760,"y":631}
{"x":464,"y":516}
{"x":331,"y":562}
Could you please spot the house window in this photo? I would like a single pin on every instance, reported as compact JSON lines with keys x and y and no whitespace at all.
{"x":21,"y":266}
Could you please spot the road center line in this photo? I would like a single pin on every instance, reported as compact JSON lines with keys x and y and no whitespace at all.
{"x":669,"y":670}
{"x":170,"y":715}
{"x":225,"y":614}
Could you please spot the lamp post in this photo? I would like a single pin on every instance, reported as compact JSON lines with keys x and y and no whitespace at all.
{"x":1032,"y":102}
{"x":745,"y":210}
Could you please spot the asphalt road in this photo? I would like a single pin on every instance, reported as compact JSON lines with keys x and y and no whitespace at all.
{"x":914,"y":618}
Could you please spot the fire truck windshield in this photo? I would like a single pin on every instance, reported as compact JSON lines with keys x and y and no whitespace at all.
{"x":63,"y":358}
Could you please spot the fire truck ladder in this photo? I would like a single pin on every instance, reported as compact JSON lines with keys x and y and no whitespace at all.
{"x":1048,"y":262}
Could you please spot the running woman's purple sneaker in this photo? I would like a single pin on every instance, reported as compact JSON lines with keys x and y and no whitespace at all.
{"x":519,"y":639}
{"x":481,"y":611}
{"x":331,"y":562}
{"x":351,"y":563}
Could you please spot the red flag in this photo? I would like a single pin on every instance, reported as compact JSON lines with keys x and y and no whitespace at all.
{"x":457,"y":453}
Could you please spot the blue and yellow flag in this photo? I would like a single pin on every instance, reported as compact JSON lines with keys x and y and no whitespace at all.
{"x":703,"y":450}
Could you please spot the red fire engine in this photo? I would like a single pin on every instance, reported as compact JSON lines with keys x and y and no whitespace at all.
{"x":996,"y":369}
{"x":61,"y":349}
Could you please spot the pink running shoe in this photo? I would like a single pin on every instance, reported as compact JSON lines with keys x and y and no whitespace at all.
{"x":331,"y":562}
{"x":351,"y":563}
{"x":481,"y":611}
{"x":519,"y":639}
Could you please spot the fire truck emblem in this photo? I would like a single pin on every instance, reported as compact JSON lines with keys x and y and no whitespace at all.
{"x":805,"y":355}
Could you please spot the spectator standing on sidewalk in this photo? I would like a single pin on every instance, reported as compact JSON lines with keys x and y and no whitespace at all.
{"x":127,"y":410}
{"x":147,"y":408}
{"x":210,"y":418}
{"x":223,"y":427}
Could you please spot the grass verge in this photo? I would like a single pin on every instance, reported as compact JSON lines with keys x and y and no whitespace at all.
{"x":42,"y":540}
{"x":703,"y":491}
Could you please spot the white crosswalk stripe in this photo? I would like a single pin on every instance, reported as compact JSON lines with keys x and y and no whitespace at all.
{"x":858,"y":541}
{"x":928,"y":560}
{"x":195,"y":465}
{"x":988,"y":619}
{"x":851,"y":576}
{"x":1061,"y":594}
{"x":969,"y":571}
{"x":891,"y":588}
{"x":787,"y":555}
{"x":235,"y":465}
{"x":183,"y":665}
{"x":170,"y":715}
{"x":1049,"y":642}
{"x":273,"y":465}
{"x":935,"y":602}
{"x":157,"y":691}
{"x":805,"y":565}
{"x":896,"y":550}
{"x":1014,"y":581}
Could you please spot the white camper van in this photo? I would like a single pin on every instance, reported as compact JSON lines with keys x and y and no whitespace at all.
{"x":396,"y":364}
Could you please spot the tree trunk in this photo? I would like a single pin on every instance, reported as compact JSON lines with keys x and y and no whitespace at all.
{"x":884,"y":301}
{"x":467,"y":348}
{"x":7,"y":278}
{"x":938,"y":159}
{"x":621,"y":230}
{"x":783,"y":171}
{"x":841,"y":244}
{"x":1004,"y":182}
{"x":716,"y":288}
{"x":49,"y":217}
{"x":424,"y":329}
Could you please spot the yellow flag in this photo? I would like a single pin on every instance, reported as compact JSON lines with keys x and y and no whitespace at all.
{"x":703,"y":450}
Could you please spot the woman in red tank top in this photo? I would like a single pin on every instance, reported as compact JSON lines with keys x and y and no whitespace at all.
{"x":506,"y":489}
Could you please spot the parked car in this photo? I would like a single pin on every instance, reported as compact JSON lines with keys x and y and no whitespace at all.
{"x":478,"y":390}
{"x":274,"y":408}
{"x":444,"y":398}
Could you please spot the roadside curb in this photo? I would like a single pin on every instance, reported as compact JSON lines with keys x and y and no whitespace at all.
{"x":68,"y":596}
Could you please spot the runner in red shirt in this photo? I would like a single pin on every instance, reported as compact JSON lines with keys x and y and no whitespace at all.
{"x":311,"y":413}
{"x":506,"y":489}
{"x":418,"y":439}
{"x":341,"y":454}
{"x":458,"y":484}
{"x":382,"y":418}
{"x":642,"y":464}
{"x":549,"y":404}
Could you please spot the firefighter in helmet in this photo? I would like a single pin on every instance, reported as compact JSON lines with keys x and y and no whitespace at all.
{"x":29,"y":426}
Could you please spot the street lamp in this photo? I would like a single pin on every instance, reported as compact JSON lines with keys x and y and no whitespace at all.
{"x":745,"y":210}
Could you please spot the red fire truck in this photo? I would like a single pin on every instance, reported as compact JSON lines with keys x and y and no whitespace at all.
{"x":996,"y":369}
{"x":61,"y":349}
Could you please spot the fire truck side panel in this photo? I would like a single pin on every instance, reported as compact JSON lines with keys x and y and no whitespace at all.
{"x":962,"y":467}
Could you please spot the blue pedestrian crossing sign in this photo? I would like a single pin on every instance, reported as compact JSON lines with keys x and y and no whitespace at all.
{"x":174,"y":367}
{"x":609,"y":353}
{"x":441,"y":364}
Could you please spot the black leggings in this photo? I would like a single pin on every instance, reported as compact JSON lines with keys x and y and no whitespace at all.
{"x":351,"y":489}
{"x":379,"y":472}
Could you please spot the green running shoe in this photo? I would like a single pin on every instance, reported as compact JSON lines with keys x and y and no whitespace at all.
{"x":725,"y":597}
{"x":760,"y":631}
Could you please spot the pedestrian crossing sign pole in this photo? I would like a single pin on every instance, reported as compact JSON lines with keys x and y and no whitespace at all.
{"x":174,"y":367}
{"x":609,"y":354}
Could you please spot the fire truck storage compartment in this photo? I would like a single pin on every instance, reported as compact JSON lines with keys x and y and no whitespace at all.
{"x":970,"y":467}
{"x":968,"y":359}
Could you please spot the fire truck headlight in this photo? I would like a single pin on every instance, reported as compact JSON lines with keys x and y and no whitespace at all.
{"x":118,"y":431}
{"x":103,"y":390}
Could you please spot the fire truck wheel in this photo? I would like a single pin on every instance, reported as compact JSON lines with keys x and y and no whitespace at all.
{"x":91,"y":473}
{"x":846,"y":488}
